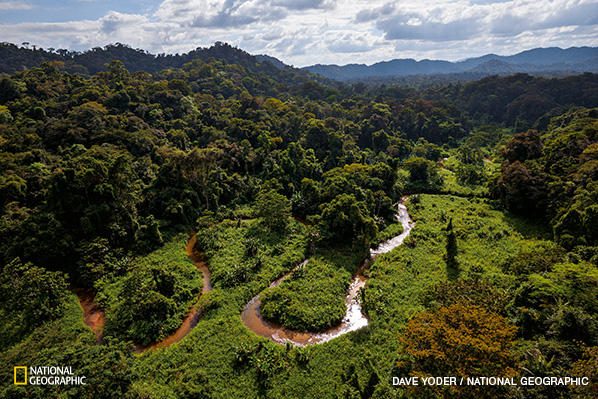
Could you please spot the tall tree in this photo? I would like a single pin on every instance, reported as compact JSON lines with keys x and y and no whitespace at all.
{"x":452,"y":266}
{"x":274,"y":209}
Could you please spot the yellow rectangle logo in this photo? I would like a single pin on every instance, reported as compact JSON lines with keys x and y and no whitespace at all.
{"x":18,"y":381}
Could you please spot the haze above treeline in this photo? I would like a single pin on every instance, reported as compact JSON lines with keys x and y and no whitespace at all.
{"x":540,"y":61}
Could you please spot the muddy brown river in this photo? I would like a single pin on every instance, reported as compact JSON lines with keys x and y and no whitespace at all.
{"x":354,"y":318}
{"x":194,"y":315}
{"x":94,"y":316}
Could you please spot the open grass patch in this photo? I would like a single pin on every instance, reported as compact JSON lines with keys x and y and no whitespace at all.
{"x":312,"y":299}
{"x":244,"y":252}
{"x":486,"y":239}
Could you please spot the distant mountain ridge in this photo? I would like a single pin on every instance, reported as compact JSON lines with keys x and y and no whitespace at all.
{"x":573,"y":60}
{"x":553,"y":59}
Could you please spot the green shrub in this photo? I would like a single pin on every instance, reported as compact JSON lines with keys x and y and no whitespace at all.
{"x":312,"y":299}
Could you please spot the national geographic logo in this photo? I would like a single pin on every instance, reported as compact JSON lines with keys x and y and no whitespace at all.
{"x":47,"y":375}
{"x":20,"y":376}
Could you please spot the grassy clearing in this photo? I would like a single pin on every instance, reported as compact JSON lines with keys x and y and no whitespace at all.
{"x":248,"y":256}
{"x":451,"y":184}
{"x":312,"y":299}
{"x":486,"y":240}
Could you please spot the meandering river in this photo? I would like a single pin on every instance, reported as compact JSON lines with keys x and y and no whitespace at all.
{"x":354,"y":317}
{"x":94,"y":316}
{"x":194,"y":315}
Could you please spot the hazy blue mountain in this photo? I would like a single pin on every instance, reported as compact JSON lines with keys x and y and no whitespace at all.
{"x":554,"y":59}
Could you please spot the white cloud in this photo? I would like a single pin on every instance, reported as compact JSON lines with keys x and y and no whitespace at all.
{"x":370,"y":14}
{"x":351,"y":43}
{"x":409,"y":27}
{"x":304,"y":4}
{"x":71,"y":35}
{"x":14,"y":5}
{"x":304,"y":32}
{"x":115,"y":23}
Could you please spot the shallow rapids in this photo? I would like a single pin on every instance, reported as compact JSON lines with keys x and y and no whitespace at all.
{"x":354,"y":318}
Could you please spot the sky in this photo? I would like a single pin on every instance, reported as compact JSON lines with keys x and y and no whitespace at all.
{"x":306,"y":32}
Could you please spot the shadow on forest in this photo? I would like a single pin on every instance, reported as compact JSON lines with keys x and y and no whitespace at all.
{"x":453,"y":271}
{"x":528,"y":228}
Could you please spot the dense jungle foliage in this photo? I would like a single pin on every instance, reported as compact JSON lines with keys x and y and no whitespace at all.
{"x":106,"y":169}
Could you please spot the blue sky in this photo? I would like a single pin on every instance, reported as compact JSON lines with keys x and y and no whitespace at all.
{"x":70,"y":10}
{"x":303,"y":32}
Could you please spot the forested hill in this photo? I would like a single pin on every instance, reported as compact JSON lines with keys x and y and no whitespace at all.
{"x":14,"y":58}
{"x":273,"y":77}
